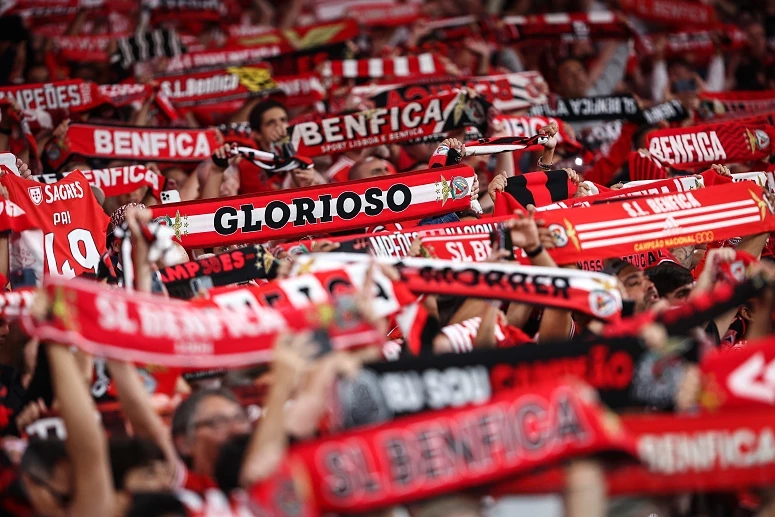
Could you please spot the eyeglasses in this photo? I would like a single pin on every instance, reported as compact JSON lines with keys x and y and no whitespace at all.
{"x":221,"y":422}
{"x":61,"y":498}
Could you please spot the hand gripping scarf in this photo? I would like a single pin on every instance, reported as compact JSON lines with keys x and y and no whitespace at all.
{"x":698,"y":146}
{"x":389,"y":125}
{"x":445,"y":451}
{"x":592,"y":293}
{"x":318,"y":210}
{"x":149,"y":329}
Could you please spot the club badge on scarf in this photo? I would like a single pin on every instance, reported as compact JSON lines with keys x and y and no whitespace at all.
{"x":666,"y":221}
{"x":389,"y":125}
{"x":318,"y":210}
{"x":240,"y":265}
{"x":592,"y":293}
{"x":133,"y":143}
{"x":698,"y":146}
{"x":505,"y":92}
{"x":112,"y":323}
{"x":361,"y":470}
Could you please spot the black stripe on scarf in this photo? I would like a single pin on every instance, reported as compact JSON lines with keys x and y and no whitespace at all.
{"x":539,"y":188}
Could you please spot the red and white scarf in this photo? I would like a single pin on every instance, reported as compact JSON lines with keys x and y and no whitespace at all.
{"x":566,"y":26}
{"x":672,"y":12}
{"x":318,"y":210}
{"x":116,"y":180}
{"x":733,"y":105}
{"x":132,"y":143}
{"x":704,"y":145}
{"x":142,"y":328}
{"x":218,"y":86}
{"x":400,"y":66}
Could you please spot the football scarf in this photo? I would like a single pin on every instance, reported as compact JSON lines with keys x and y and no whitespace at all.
{"x":236,"y":266}
{"x":679,"y":12}
{"x":505,"y":92}
{"x":185,"y":10}
{"x":739,"y":377}
{"x":732,"y":105}
{"x":294,"y":39}
{"x":619,"y":369}
{"x":397,"y":244}
{"x":701,"y":146}
{"x":137,"y":327}
{"x":725,"y":452}
{"x":69,"y":94}
{"x":146,"y":45}
{"x":528,"y":126}
{"x":612,"y":107}
{"x":218,"y":86}
{"x":318,"y":210}
{"x":565,"y":27}
{"x":389,"y":125}
{"x":399,"y":66}
{"x":537,"y":189}
{"x":135,"y":143}
{"x":699,"y":43}
{"x":384,"y":14}
{"x":362,"y":470}
{"x":15,"y":303}
{"x":116,"y":180}
{"x":85,"y":47}
{"x":588,"y":292}
{"x":666,"y":221}
{"x":301,"y":90}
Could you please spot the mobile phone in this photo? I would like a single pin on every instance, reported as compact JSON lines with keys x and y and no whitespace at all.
{"x":170,"y":196}
{"x":501,"y":240}
{"x":684,"y":86}
{"x":323,"y":340}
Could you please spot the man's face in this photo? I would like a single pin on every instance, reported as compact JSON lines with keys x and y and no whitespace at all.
{"x":274,"y":125}
{"x":573,"y":80}
{"x":50,"y":496}
{"x":679,"y":295}
{"x":216,"y":420}
{"x":638,"y":286}
{"x":371,"y":168}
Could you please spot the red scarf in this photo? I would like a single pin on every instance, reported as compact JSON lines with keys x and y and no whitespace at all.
{"x":732,"y":105}
{"x":566,"y":26}
{"x":665,"y":221}
{"x":699,"y":146}
{"x":148,"y":329}
{"x":672,"y":12}
{"x":522,"y":125}
{"x":506,"y":92}
{"x":320,"y":209}
{"x":741,"y":377}
{"x":725,"y":452}
{"x":218,"y":86}
{"x":132,"y":143}
{"x":699,"y":43}
{"x":395,"y":124}
{"x":116,"y":180}
{"x":431,"y":454}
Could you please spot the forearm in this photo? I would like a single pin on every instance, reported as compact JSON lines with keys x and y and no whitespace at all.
{"x":505,"y":162}
{"x":485,"y":336}
{"x":212,"y":188}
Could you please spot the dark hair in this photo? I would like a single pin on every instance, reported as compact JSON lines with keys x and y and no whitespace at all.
{"x":184,"y":413}
{"x":42,"y":455}
{"x":127,"y":453}
{"x":256,"y":117}
{"x":229,"y":464}
{"x":156,"y":504}
{"x":669,"y":276}
{"x":614,"y":266}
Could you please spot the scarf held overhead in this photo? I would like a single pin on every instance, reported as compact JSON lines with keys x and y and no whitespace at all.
{"x":318,"y":210}
{"x":588,"y":292}
{"x":389,"y":125}
{"x":613,"y":107}
{"x":141,"y":328}
{"x":141,"y":143}
{"x":666,"y":221}
{"x":704,"y":145}
{"x":367,"y":469}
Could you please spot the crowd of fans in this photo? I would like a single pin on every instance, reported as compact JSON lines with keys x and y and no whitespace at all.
{"x":177,"y":437}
